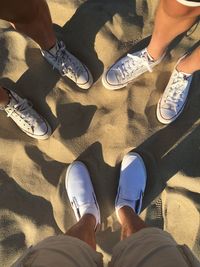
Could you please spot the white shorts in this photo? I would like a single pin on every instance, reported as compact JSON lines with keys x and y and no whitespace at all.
{"x":149,"y":247}
{"x":189,"y":3}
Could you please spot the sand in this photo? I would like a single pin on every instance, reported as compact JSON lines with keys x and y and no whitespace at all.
{"x":96,"y":126}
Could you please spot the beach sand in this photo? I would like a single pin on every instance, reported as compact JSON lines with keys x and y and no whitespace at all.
{"x":97,"y":126}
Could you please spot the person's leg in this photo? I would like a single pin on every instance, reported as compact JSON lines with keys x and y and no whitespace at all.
{"x":4,"y":97}
{"x":145,"y":246}
{"x":174,"y":97}
{"x":84,"y":230}
{"x":190,"y":63}
{"x":40,"y":29}
{"x":130,"y":222}
{"x":83,"y":201}
{"x":33,"y":18}
{"x":172,"y":19}
{"x":77,"y":247}
{"x":128,"y":202}
{"x":74,"y":249}
{"x":141,"y":245}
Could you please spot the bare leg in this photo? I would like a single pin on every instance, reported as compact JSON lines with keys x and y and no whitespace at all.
{"x":172,"y":19}
{"x":84,"y":230}
{"x":4,"y":98}
{"x":190,"y":63}
{"x":31,"y":18}
{"x":130,"y":222}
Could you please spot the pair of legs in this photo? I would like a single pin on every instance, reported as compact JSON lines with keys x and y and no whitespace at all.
{"x":33,"y":19}
{"x":128,"y":201}
{"x":139,"y":246}
{"x":84,"y":229}
{"x":172,"y":18}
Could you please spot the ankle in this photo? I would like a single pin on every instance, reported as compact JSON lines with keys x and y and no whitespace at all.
{"x":126,"y":215}
{"x":4,"y":97}
{"x":155,"y":53}
{"x":89,"y":220}
{"x":84,"y":230}
{"x":130,"y":221}
{"x":187,"y":65}
{"x":53,"y":48}
{"x":126,"y":231}
{"x":51,"y":45}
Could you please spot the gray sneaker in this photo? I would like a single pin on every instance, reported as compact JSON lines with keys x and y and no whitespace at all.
{"x":28,"y":120}
{"x":68,"y":65}
{"x":128,"y":68}
{"x":174,"y":98}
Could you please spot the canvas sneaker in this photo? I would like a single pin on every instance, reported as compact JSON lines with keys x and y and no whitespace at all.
{"x":132,"y":183}
{"x":68,"y":65}
{"x":174,"y":98}
{"x":128,"y":68}
{"x":80,"y":192}
{"x":28,"y":120}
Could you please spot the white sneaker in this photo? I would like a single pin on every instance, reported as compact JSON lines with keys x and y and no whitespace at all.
{"x":132,"y":183}
{"x":28,"y":120}
{"x":80,"y":191}
{"x":68,"y":65}
{"x":128,"y":68}
{"x":174,"y":98}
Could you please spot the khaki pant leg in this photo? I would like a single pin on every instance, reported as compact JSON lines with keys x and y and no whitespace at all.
{"x":152,"y":247}
{"x":62,"y":251}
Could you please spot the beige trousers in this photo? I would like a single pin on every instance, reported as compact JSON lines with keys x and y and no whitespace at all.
{"x":150,"y":247}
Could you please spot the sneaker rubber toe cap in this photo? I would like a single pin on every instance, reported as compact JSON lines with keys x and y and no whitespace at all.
{"x":110,"y":81}
{"x":165,"y":115}
{"x":42,"y":131}
{"x":85,"y":79}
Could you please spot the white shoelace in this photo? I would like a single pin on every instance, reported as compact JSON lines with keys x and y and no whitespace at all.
{"x":176,"y":91}
{"x":69,"y":65}
{"x":24,"y":110}
{"x":132,"y":64}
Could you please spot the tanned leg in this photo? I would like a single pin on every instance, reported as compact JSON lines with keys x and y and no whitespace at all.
{"x":172,"y":19}
{"x":190,"y":63}
{"x":4,"y":98}
{"x":84,"y":230}
{"x":32,"y":18}
{"x":130,"y":222}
